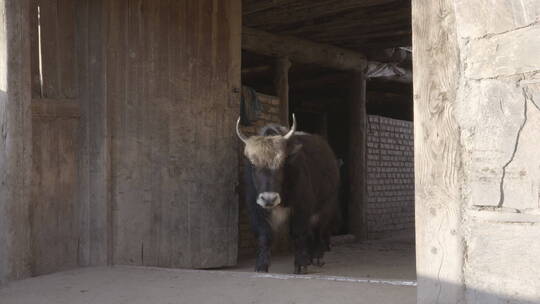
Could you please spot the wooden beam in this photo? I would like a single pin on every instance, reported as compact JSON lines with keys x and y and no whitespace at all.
{"x":256,"y":69}
{"x":252,"y":7}
{"x":357,"y":155}
{"x":301,"y":51}
{"x":281,"y":82}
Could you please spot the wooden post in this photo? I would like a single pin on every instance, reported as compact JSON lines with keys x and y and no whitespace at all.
{"x":438,"y":165}
{"x":281,"y":83}
{"x":357,"y":155}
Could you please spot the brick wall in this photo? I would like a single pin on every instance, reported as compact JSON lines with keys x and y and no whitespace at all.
{"x":390,"y":180}
{"x":247,"y":242}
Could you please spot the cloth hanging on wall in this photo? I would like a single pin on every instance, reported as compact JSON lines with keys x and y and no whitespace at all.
{"x":250,"y":106}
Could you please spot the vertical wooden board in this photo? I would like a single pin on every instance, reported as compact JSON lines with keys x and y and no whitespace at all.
{"x":15,"y":142}
{"x":174,"y":157}
{"x":231,"y":41}
{"x":49,"y":47}
{"x":162,"y":187}
{"x":34,"y":49}
{"x":437,"y":153}
{"x":130,"y":211}
{"x":98,"y":144}
{"x":54,"y":209}
{"x":181,"y":132}
{"x":117,"y":40}
{"x":39,"y":199}
{"x":54,"y":218}
{"x":66,"y":48}
{"x":83,"y":199}
{"x":152,"y":178}
{"x":68,"y":226}
{"x":40,"y":204}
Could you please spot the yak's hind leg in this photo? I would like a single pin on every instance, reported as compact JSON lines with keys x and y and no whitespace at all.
{"x":316,"y":247}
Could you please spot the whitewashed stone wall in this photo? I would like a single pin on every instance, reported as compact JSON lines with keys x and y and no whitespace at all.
{"x":390,"y":177}
{"x":477,"y":150}
{"x":499,"y":112}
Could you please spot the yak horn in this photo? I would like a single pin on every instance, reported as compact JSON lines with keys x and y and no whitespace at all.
{"x":239,"y":133}
{"x":293,"y":128}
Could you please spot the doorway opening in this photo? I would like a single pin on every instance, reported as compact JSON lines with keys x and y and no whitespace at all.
{"x":376,"y":196}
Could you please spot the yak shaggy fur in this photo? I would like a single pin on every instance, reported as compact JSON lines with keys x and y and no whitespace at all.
{"x":266,"y":151}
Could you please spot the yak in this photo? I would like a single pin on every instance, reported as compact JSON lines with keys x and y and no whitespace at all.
{"x":290,"y":177}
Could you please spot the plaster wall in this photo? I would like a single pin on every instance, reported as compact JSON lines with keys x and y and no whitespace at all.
{"x":498,"y":107}
{"x":477,"y":150}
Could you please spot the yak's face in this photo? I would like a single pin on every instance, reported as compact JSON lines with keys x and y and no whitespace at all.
{"x":268,"y":183}
{"x":267,"y":156}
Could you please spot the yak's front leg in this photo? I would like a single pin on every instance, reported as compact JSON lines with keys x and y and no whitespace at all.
{"x":263,"y":252}
{"x":301,"y":234}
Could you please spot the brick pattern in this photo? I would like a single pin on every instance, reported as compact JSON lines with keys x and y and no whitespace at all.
{"x":390,"y":176}
{"x":269,"y":114}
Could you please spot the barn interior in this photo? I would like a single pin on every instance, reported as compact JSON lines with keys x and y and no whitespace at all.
{"x":121,"y":149}
{"x":302,"y":54}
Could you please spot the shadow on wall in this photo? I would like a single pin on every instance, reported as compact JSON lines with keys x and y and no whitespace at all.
{"x":442,"y":292}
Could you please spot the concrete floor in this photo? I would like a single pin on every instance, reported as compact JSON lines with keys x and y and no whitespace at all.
{"x":388,"y":259}
{"x":376,"y":272}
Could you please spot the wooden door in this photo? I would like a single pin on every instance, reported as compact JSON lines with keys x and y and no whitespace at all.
{"x":173,"y":77}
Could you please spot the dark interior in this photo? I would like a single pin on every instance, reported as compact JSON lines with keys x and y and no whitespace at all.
{"x":319,"y":96}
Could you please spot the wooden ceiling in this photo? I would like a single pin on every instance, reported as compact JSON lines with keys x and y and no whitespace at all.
{"x":362,"y":25}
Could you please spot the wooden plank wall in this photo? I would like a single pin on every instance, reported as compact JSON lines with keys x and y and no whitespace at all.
{"x":54,"y":220}
{"x":173,"y":76}
{"x":132,"y":107}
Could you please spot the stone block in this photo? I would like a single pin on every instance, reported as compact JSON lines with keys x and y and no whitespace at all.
{"x":503,"y":55}
{"x":487,"y":17}
{"x":498,"y":269}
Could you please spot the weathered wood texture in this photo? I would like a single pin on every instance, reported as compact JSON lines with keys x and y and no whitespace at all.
{"x":55,"y":108}
{"x":300,"y":50}
{"x":173,"y":73}
{"x":56,"y":33}
{"x":353,"y":24}
{"x":357,"y":155}
{"x":54,"y":208}
{"x":439,"y":248}
{"x":94,"y":160}
{"x":15,"y":141}
{"x":281,"y":83}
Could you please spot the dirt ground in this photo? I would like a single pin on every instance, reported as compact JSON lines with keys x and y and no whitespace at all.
{"x":388,"y":259}
{"x":372,"y":272}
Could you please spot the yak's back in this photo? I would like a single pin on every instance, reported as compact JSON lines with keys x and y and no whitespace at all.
{"x":318,"y":161}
